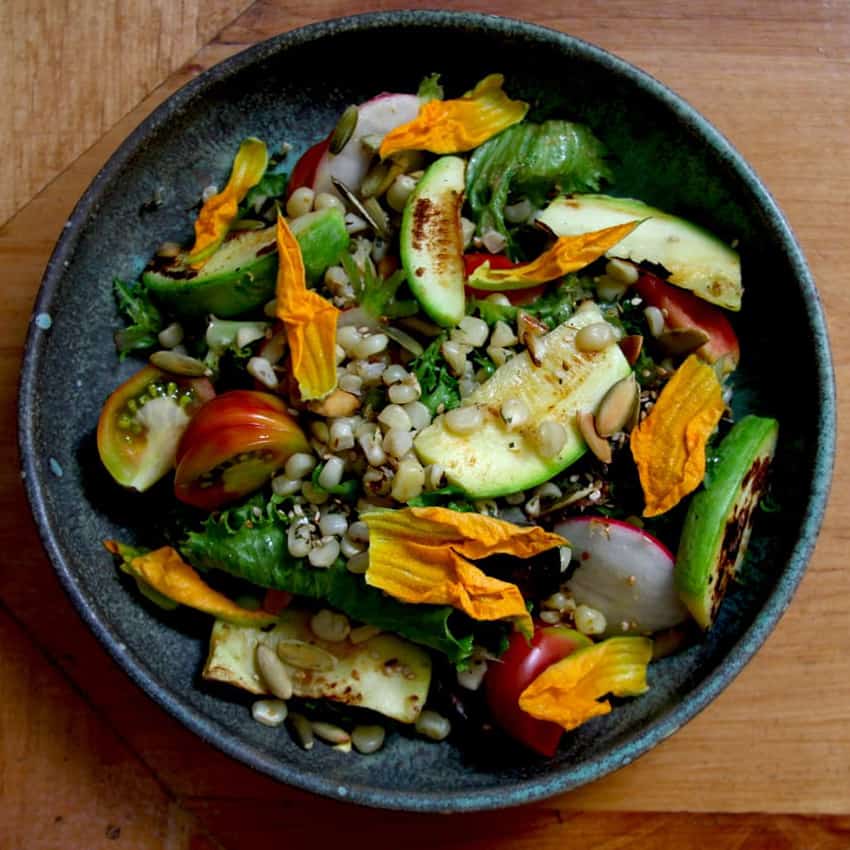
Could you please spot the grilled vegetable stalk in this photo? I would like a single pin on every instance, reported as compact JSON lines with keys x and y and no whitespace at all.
{"x":719,"y":520}
{"x":384,"y":673}
{"x":240,"y":276}
{"x":502,"y":457}
{"x":432,"y":242}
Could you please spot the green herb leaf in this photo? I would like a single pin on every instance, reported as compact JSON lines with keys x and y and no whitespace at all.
{"x":439,"y":386}
{"x":492,"y":313}
{"x":145,"y":319}
{"x":377,"y":295}
{"x":558,"y":303}
{"x":271,"y":187}
{"x":430,"y":89}
{"x":250,"y":541}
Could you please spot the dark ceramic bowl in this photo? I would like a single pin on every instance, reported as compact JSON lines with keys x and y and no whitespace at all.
{"x":290,"y":89}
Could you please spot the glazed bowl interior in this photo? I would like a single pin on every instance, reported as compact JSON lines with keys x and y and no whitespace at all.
{"x":292,"y":89}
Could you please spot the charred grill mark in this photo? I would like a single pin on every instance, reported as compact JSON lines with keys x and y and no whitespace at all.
{"x":757,"y":474}
{"x":424,"y":212}
{"x":436,"y":229}
{"x":171,"y":267}
{"x":267,"y":249}
{"x":753,"y":485}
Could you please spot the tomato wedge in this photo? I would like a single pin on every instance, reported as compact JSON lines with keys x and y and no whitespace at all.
{"x":233,"y":446}
{"x":682,"y":310}
{"x":304,"y":172}
{"x":508,"y":677}
{"x":141,"y":424}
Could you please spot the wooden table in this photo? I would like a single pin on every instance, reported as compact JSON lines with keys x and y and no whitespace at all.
{"x":86,"y":760}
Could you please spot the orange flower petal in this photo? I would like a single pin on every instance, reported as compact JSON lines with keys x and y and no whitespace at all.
{"x":167,"y":573}
{"x":568,"y":254}
{"x":219,"y":212}
{"x":569,"y":692}
{"x":669,"y":445}
{"x":420,"y":555}
{"x":309,"y":320}
{"x":451,"y":126}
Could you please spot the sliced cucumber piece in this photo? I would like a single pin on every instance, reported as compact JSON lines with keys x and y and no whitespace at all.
{"x":696,"y":259}
{"x":385,"y":673}
{"x":495,"y":460}
{"x":241,"y":275}
{"x":719,"y":520}
{"x":431,"y":241}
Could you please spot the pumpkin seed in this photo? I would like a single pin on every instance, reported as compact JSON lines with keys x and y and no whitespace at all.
{"x":305,"y":656}
{"x":616,"y":407}
{"x":600,"y":447}
{"x":375,"y":179}
{"x":353,"y":201}
{"x":371,"y":142}
{"x":344,"y":129}
{"x":682,"y":341}
{"x":179,"y":364}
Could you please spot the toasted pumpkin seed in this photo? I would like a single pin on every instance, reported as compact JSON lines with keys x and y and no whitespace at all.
{"x":371,"y":142}
{"x":374,"y":179}
{"x":600,"y":447}
{"x":344,"y":129}
{"x":179,"y":364}
{"x":616,"y":407}
{"x":353,"y":201}
{"x":682,"y":341}
{"x":305,"y":656}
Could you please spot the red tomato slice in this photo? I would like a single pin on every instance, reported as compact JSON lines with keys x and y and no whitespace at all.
{"x":230,"y":411}
{"x":233,"y":446}
{"x":276,"y":601}
{"x":304,"y":172}
{"x":683,"y":309}
{"x":508,"y":677}
{"x":141,"y":424}
{"x":517,"y":297}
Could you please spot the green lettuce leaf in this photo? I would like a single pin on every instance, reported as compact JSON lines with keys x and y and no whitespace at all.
{"x":145,"y":320}
{"x":249,"y":541}
{"x":533,"y":161}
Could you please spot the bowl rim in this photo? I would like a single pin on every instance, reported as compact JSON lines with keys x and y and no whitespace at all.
{"x":492,"y":796}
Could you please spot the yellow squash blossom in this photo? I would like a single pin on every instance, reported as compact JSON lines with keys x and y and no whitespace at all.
{"x":423,"y":555}
{"x":169,"y":575}
{"x":570,"y":691}
{"x":309,"y":320}
{"x":452,"y":126}
{"x":669,"y":445}
{"x":568,"y":254}
{"x":220,"y":211}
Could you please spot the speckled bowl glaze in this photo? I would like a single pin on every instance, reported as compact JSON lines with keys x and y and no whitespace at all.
{"x":285,"y":89}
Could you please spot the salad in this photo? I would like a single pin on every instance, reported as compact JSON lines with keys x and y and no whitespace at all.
{"x":440,"y":425}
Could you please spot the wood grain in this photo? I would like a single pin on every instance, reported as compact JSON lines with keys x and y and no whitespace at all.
{"x":778,"y":740}
{"x":65,"y":780}
{"x":72,"y":68}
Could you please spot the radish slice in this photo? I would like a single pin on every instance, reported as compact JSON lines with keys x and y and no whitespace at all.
{"x":376,"y":117}
{"x":623,"y":572}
